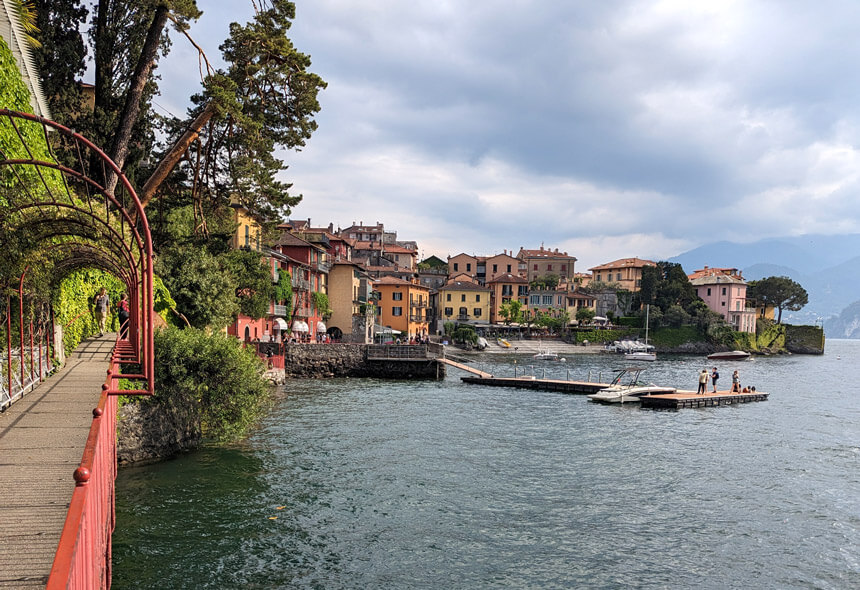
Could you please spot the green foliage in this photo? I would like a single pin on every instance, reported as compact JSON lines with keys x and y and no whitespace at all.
{"x":203,"y":288}
{"x":215,"y":373}
{"x":584,"y":314}
{"x":321,"y":304}
{"x":674,"y":337}
{"x":511,"y":311}
{"x":555,"y":319}
{"x":449,"y":328}
{"x":779,"y":292}
{"x":162,"y":302}
{"x":465,"y":334}
{"x":770,"y":335}
{"x":664,"y":286}
{"x":252,"y":280}
{"x":73,"y":304}
{"x":545,"y":283}
{"x":631,"y":321}
{"x":602,"y":336}
{"x":284,"y":291}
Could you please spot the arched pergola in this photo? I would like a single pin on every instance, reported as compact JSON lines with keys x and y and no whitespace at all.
{"x":56,"y":216}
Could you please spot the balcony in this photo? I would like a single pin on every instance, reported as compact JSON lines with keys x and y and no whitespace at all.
{"x":323,"y":267}
{"x":280,"y":310}
{"x":301,"y":284}
{"x":303,"y":312}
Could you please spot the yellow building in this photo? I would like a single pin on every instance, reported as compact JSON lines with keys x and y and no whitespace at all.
{"x":627,"y":272}
{"x":352,"y":312}
{"x":402,"y":306}
{"x":464,"y":302}
{"x":248,"y":232}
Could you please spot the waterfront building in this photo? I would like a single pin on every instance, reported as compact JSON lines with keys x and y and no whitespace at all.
{"x":547,"y":301}
{"x":625,"y":272}
{"x":368,"y":233}
{"x":350,"y":291}
{"x":309,"y":273}
{"x":463,"y":264}
{"x":402,"y":306}
{"x":504,"y":288}
{"x":724,"y":291}
{"x":542,"y":262}
{"x":577,"y":300}
{"x":500,"y":265}
{"x":465,"y":302}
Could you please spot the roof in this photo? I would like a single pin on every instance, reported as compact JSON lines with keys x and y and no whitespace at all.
{"x":543,"y":253}
{"x":395,"y":282}
{"x":288,"y":239}
{"x":624,"y":263}
{"x":717,"y":280}
{"x":508,"y":278}
{"x":375,"y":245}
{"x":710,"y":272}
{"x":462,"y":286}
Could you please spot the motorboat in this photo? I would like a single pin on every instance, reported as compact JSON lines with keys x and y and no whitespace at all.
{"x":641,"y":356}
{"x":626,"y":387}
{"x":481,"y":343}
{"x":546,"y":355}
{"x":503,"y":343}
{"x":731,"y":355}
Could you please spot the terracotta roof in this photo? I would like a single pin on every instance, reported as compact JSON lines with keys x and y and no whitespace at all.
{"x":462,"y":286}
{"x":288,"y":239}
{"x":508,"y":278}
{"x":717,"y":280}
{"x":377,"y":246}
{"x":398,"y":282}
{"x":624,"y":263}
{"x":710,"y":272}
{"x":543,"y":253}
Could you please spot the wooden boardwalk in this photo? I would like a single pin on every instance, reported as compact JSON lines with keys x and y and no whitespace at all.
{"x":467,"y":368}
{"x":42,"y":438}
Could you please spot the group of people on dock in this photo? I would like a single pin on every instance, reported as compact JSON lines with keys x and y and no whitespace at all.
{"x":714,"y":377}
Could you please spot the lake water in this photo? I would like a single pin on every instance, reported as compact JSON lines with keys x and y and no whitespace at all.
{"x":414,"y":484}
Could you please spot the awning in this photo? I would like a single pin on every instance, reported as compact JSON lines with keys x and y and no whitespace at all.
{"x":281,"y":324}
{"x":300,"y":326}
{"x":320,"y":327}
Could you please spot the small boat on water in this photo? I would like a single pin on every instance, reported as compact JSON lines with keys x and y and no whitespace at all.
{"x":503,"y":343}
{"x":731,"y":355}
{"x":546,"y":355}
{"x":626,"y":387}
{"x":642,"y":352}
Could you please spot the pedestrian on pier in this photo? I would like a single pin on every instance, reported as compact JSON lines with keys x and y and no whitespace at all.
{"x":703,"y":382}
{"x":736,"y":382}
{"x":714,"y":377}
{"x":101,"y":309}
{"x":122,"y":313}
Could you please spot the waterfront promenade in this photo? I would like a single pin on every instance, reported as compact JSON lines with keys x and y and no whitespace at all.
{"x":42,"y":438}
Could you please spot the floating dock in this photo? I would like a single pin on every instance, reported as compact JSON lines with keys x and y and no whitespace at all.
{"x":559,"y":385}
{"x":690,"y":399}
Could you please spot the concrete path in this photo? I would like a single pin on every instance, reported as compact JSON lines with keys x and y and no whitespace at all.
{"x":42,"y":438}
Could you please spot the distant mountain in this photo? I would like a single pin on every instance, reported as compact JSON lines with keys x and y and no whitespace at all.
{"x":846,"y":324}
{"x":828,"y":267}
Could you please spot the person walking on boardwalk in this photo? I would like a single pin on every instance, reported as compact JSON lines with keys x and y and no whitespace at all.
{"x":102,"y":306}
{"x":736,"y":382}
{"x":714,"y":377}
{"x":122,"y":313}
{"x":703,"y":382}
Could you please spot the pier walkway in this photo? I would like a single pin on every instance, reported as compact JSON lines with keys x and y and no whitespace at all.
{"x":42,"y":439}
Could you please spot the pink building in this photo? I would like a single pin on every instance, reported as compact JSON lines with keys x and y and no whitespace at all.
{"x":725,"y":292}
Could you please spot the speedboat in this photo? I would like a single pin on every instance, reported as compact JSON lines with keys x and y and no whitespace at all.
{"x":626,"y":387}
{"x":641,"y":356}
{"x":546,"y":355}
{"x":731,"y":355}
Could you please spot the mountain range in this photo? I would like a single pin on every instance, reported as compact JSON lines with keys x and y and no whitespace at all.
{"x":828,"y":267}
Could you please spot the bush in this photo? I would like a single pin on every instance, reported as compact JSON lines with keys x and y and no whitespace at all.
{"x":215,"y":373}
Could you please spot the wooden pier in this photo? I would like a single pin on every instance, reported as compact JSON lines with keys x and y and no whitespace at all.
{"x":690,"y":399}
{"x":559,"y":385}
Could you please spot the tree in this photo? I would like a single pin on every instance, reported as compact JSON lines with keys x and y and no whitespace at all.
{"x":511,"y":311}
{"x":778,"y":292}
{"x":546,"y":282}
{"x":252,"y":280}
{"x":584,"y":314}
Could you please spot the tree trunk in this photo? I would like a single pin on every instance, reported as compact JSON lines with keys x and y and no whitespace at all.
{"x":171,"y":159}
{"x":131,"y":110}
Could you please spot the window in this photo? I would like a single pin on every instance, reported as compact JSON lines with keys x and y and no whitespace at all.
{"x":509,"y":268}
{"x":598,"y":278}
{"x":535,"y":266}
{"x":549,"y":267}
{"x":563,"y":268}
{"x":724,"y":290}
{"x":468,"y":267}
{"x":397,"y":296}
{"x":618,"y":276}
{"x":559,"y":302}
{"x":723,"y":303}
{"x":507,"y":290}
{"x":495,"y":268}
{"x":709,"y":291}
{"x":477,"y":312}
{"x":247,"y":236}
{"x":463,"y":298}
{"x":523,"y":290}
{"x":456,"y":267}
{"x":534,"y":300}
{"x":464,"y":313}
{"x":477,"y":298}
{"x":396,"y":311}
{"x":447,"y":297}
{"x":449,"y":311}
{"x":547,"y":299}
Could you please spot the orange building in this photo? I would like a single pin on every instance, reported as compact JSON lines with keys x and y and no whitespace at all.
{"x":542,"y":262}
{"x":505,"y":288}
{"x":403,"y":306}
{"x":627,"y":272}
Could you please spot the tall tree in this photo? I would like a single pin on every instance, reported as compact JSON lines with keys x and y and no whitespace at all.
{"x":779,"y":292}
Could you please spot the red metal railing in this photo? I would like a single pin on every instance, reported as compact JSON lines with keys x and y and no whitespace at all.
{"x":83,"y":558}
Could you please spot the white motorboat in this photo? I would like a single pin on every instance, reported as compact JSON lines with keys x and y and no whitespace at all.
{"x":626,"y":387}
{"x":546,"y":355}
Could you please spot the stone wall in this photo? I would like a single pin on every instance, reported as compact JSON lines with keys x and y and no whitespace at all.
{"x":804,"y":339}
{"x":320,"y":361}
{"x":153,"y":429}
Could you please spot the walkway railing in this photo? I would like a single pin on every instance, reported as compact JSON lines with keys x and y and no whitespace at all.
{"x":394,"y":351}
{"x":83,"y":557}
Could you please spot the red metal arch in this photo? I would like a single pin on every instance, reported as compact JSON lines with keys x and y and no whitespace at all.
{"x":53,"y":192}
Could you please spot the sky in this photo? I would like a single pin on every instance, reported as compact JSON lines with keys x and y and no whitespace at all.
{"x":606,"y":129}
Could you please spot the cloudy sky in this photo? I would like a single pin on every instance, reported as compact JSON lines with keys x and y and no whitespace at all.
{"x":607,"y":129}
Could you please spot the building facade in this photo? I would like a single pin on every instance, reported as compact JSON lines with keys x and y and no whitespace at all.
{"x":724,"y":291}
{"x":627,"y":272}
{"x":403,"y":306}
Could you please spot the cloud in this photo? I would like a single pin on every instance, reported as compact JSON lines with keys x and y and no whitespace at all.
{"x":610,"y":129}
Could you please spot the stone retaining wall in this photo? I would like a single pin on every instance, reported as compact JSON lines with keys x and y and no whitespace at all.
{"x":350,"y":360}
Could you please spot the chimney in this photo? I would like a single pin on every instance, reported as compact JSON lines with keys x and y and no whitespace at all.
{"x":309,"y":221}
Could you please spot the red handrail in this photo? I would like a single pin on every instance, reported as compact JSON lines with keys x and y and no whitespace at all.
{"x":83,"y":558}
